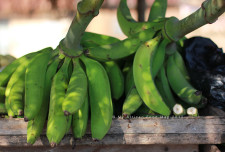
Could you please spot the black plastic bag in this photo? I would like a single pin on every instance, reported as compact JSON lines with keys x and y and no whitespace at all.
{"x":205,"y":63}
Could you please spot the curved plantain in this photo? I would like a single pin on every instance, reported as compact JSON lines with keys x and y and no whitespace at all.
{"x":132,"y":102}
{"x":14,"y":93}
{"x":77,"y":89}
{"x":184,"y":90}
{"x":58,"y":124}
{"x":90,"y":39}
{"x":34,"y":83}
{"x":100,"y":98}
{"x":129,"y":26}
{"x":159,"y":57}
{"x":80,"y":120}
{"x":164,"y":88}
{"x":116,"y":78}
{"x":120,"y":49}
{"x":178,"y":59}
{"x":6,"y":73}
{"x":143,"y":77}
{"x":16,"y":96}
{"x":158,"y":10}
{"x":35,"y":126}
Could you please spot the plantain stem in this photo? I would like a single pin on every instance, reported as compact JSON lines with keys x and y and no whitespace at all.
{"x":207,"y":14}
{"x":86,"y":11}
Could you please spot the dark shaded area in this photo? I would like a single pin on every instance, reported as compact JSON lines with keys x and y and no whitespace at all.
{"x":205,"y":63}
{"x":141,"y":6}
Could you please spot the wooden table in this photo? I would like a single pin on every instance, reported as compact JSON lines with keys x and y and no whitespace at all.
{"x":134,"y":134}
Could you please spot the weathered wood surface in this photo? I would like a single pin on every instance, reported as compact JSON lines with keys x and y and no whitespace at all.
{"x":184,"y":130}
{"x":106,"y":148}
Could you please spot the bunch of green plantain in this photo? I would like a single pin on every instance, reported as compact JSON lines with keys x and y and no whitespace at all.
{"x":145,"y":69}
{"x":51,"y":87}
{"x":157,"y":82}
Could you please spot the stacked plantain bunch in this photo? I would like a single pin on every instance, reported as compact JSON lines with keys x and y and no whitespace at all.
{"x":63,"y":90}
{"x":158,"y":81}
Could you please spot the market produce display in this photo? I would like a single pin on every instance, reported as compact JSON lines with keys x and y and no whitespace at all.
{"x":94,"y":77}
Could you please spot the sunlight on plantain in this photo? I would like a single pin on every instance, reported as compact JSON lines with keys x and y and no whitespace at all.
{"x":105,"y":37}
{"x":146,"y":76}
{"x":128,"y":44}
{"x":80,"y":113}
{"x":183,"y":90}
{"x":142,"y":36}
{"x":102,"y":108}
{"x":106,"y":46}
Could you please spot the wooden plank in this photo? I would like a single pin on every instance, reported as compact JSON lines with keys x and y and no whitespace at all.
{"x":185,"y":130}
{"x":120,"y":139}
{"x":108,"y":148}
{"x":185,"y":125}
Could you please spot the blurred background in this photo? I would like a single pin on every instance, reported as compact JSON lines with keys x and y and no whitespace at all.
{"x":30,"y":25}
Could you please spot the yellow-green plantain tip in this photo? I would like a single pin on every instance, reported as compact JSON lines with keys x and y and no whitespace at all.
{"x":53,"y":144}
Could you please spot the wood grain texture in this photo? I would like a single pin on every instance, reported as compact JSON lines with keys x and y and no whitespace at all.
{"x":185,"y":125}
{"x":164,"y":130}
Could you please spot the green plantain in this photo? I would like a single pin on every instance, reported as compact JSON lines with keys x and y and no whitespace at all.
{"x":143,"y":77}
{"x":100,"y":98}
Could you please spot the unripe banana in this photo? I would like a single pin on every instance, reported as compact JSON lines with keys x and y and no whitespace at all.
{"x":80,"y":120}
{"x":159,"y":57}
{"x":178,"y":59}
{"x":143,"y":77}
{"x":6,"y":73}
{"x":16,"y":96}
{"x":15,"y":90}
{"x":158,"y":10}
{"x":120,"y":49}
{"x":35,"y":126}
{"x":100,"y":98}
{"x":129,"y":26}
{"x":112,"y":68}
{"x":132,"y":102}
{"x":164,"y":88}
{"x":34,"y":83}
{"x":184,"y":90}
{"x":77,"y":89}
{"x":90,"y":39}
{"x":58,"y":124}
{"x":116,"y":78}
